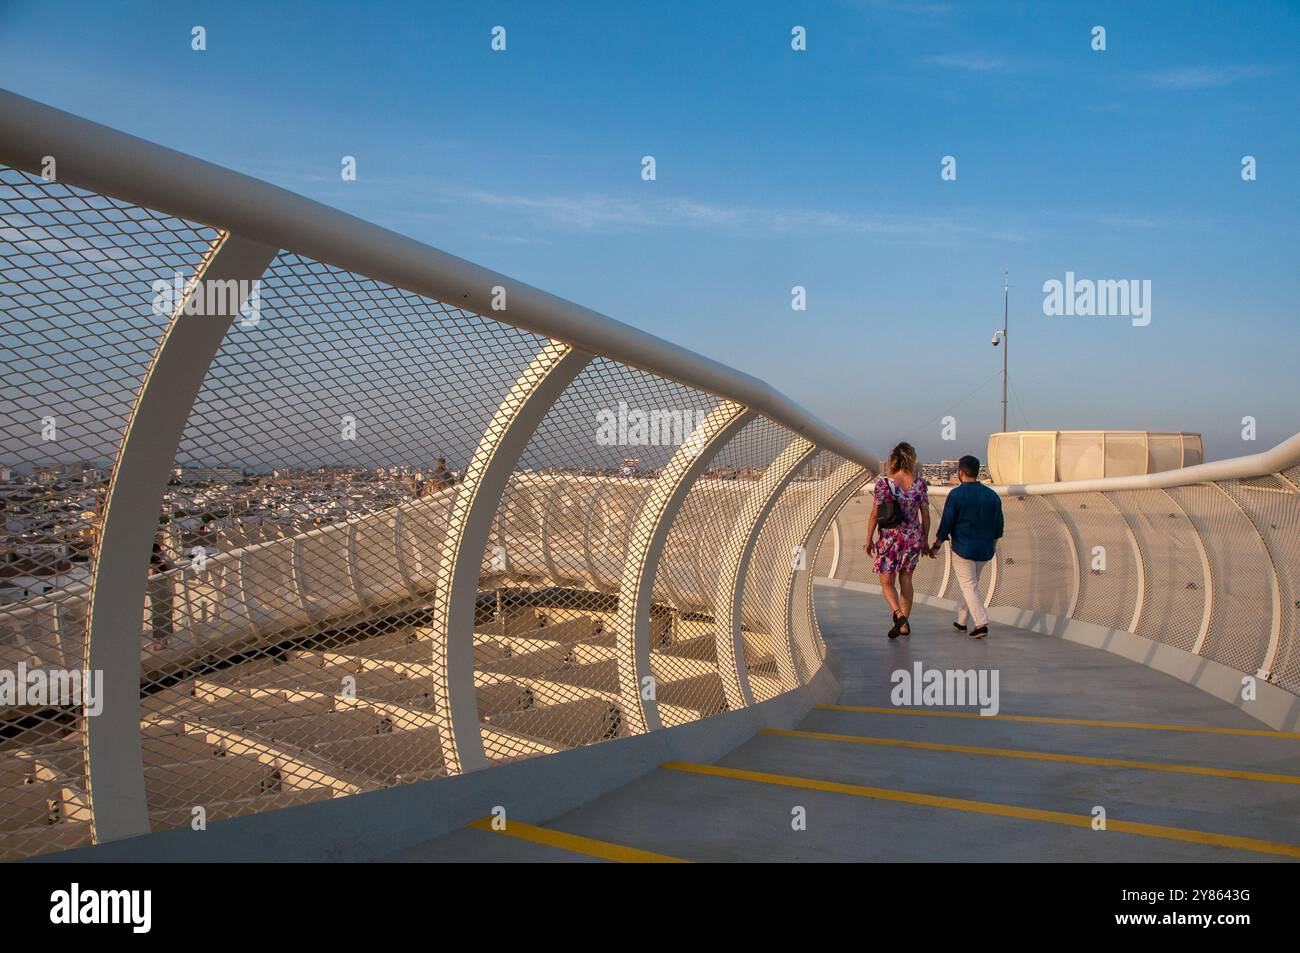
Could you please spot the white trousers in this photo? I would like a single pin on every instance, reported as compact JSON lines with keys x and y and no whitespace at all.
{"x":968,"y":577}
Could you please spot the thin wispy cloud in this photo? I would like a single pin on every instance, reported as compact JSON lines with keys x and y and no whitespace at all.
{"x":1204,"y":77}
{"x":510,"y":239}
{"x":528,"y":219}
{"x":974,"y":61}
{"x":518,"y":218}
{"x":1126,"y":221}
{"x":1178,"y":220}
{"x":916,"y":8}
{"x":603,"y":213}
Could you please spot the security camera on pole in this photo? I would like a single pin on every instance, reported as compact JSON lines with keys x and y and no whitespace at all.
{"x":1001,"y":336}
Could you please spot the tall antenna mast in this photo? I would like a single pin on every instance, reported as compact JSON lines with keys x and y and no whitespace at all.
{"x":1005,"y":296}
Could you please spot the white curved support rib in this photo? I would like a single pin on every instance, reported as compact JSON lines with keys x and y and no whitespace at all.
{"x":399,"y":553}
{"x":994,"y":564}
{"x":299,"y":581}
{"x":241,"y":582}
{"x":1265,"y":670}
{"x":588,"y":562}
{"x":113,"y":752}
{"x":649,"y":532}
{"x":849,"y":478}
{"x":754,"y":510}
{"x":354,"y":575}
{"x":1207,"y":579}
{"x":836,"y":548}
{"x":1139,"y":563}
{"x":544,"y":527}
{"x":455,"y":592}
{"x":1075,"y":548}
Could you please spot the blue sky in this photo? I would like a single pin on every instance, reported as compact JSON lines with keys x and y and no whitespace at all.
{"x":777,"y":168}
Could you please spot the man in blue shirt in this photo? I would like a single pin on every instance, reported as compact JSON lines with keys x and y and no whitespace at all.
{"x":972,"y":519}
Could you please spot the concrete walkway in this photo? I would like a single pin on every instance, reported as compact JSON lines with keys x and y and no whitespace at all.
{"x":868,"y":793}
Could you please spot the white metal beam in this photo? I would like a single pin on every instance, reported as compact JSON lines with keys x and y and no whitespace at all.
{"x":114,"y":760}
{"x":754,"y":509}
{"x":847,"y":480}
{"x":455,"y":592}
{"x":645,"y":546}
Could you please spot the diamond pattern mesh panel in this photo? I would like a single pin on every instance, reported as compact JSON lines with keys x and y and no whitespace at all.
{"x":1036,"y":566}
{"x":285,"y":654}
{"x":779,"y":552}
{"x":1173,"y":602}
{"x":1274,"y":508}
{"x":1238,"y":573}
{"x":77,"y":295}
{"x":546,"y":646}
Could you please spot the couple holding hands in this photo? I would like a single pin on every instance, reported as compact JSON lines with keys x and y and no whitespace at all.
{"x":972,"y":521}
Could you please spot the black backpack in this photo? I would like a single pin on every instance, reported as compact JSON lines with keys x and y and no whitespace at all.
{"x":889,"y":513}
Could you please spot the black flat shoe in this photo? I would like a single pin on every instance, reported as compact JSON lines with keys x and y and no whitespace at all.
{"x":959,"y":627}
{"x":980,"y":633}
{"x":902,"y":621}
{"x":898,"y":620}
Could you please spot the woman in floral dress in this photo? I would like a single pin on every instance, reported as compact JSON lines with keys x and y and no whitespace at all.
{"x":899,"y":547}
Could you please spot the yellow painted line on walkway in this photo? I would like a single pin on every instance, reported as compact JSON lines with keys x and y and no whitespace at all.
{"x":996,"y":810}
{"x":1045,"y":720}
{"x":578,"y":845}
{"x":1039,"y":756}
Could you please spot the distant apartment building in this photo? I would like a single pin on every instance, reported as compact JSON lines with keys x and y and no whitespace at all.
{"x":44,"y":549}
{"x":943,"y":473}
{"x":21,"y":586}
{"x":208,"y":474}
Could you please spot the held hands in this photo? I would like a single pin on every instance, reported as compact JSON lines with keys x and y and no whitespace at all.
{"x":872,"y":548}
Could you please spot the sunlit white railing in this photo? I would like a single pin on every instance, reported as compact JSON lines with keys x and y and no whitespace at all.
{"x":622,"y":545}
{"x":625,"y":543}
{"x":1204,"y":560}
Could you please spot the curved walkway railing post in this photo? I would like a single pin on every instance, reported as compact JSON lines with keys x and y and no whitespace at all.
{"x":1265,"y":670}
{"x":478,"y":497}
{"x":649,"y":533}
{"x":1207,"y":579}
{"x":846,"y":481}
{"x":735,"y":569}
{"x":113,"y":752}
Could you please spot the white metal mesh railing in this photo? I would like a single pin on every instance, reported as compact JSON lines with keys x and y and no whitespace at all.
{"x":376,"y":526}
{"x":1208,"y":567}
{"x":299,"y":631}
{"x":76,"y":274}
{"x":783,"y":544}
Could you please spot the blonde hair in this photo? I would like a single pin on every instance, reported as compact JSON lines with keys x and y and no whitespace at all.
{"x":902,"y":457}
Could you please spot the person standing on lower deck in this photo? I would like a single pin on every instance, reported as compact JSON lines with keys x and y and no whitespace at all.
{"x":972,"y":520}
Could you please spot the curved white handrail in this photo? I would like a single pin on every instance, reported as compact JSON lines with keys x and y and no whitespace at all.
{"x":1286,"y":454}
{"x":1258,"y":637}
{"x":114,"y":163}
